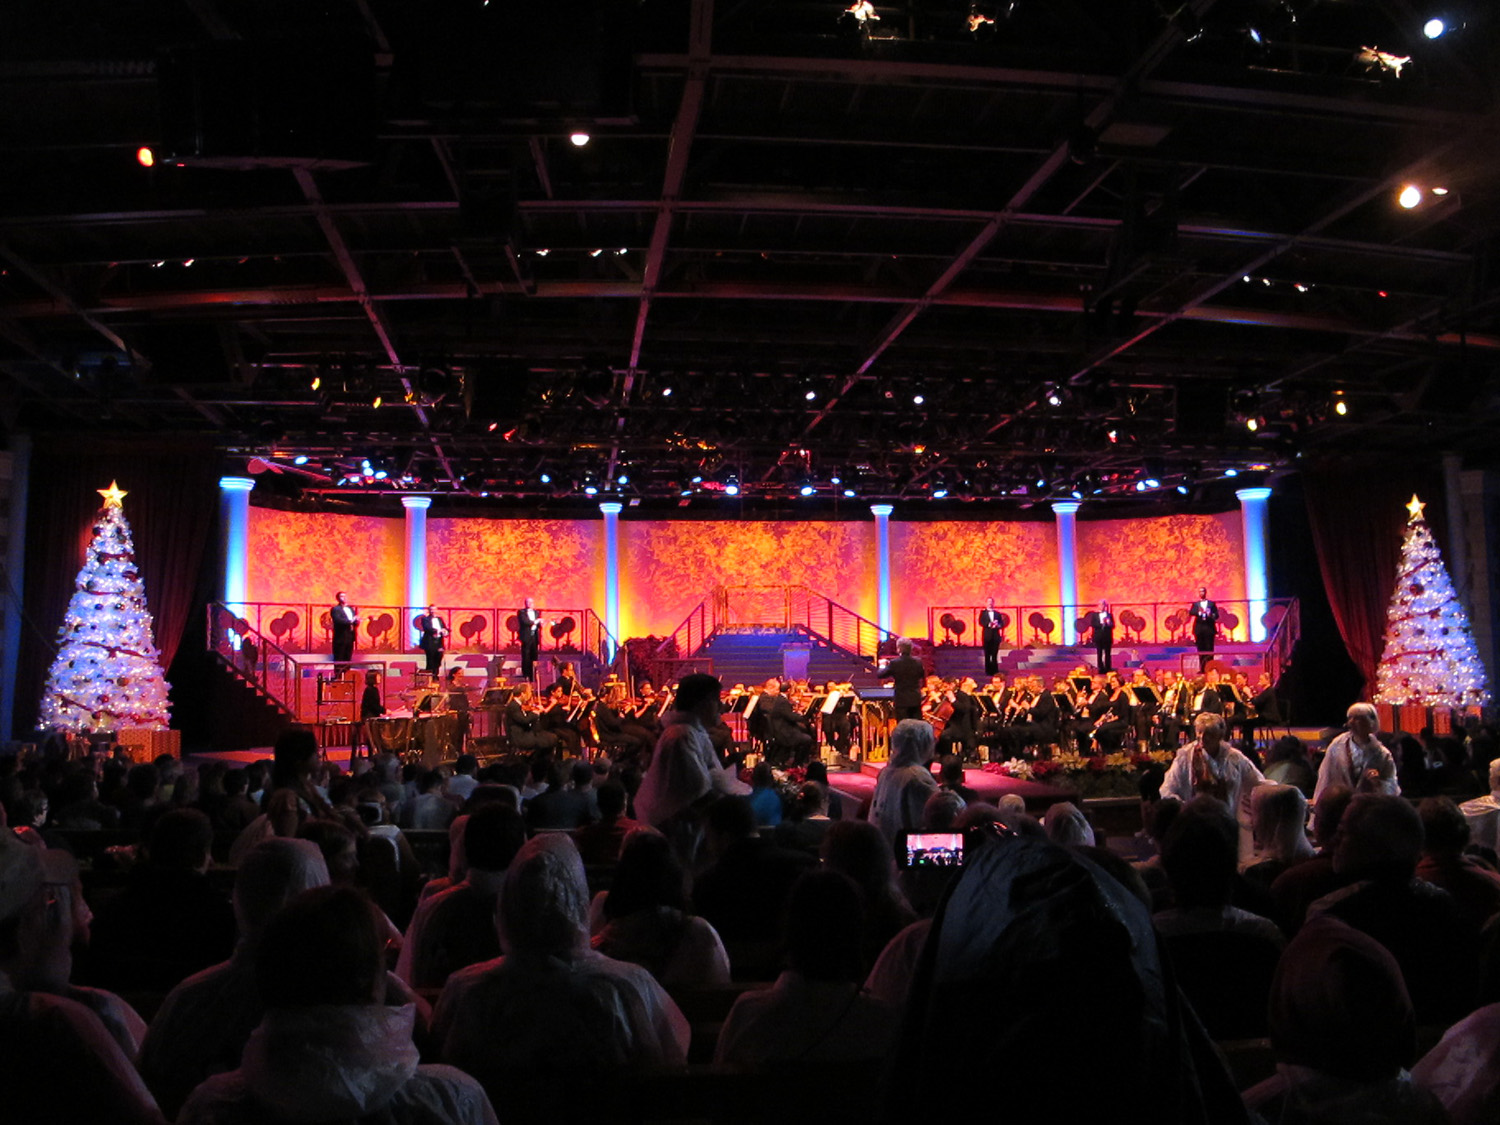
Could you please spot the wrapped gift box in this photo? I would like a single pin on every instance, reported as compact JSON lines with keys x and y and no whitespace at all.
{"x":143,"y":745}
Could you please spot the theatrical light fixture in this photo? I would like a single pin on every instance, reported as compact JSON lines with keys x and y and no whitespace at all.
{"x":317,"y":381}
{"x":1252,"y":423}
{"x":1434,"y":28}
{"x":1340,"y":404}
{"x":1439,"y":191}
{"x":1410,"y":196}
{"x":806,"y":488}
{"x":918,"y":399}
{"x":623,"y":478}
{"x":300,"y":459}
{"x":579,"y":139}
{"x":666,"y":392}
{"x":939,"y":492}
{"x":1182,"y":488}
{"x":595,"y":253}
{"x":591,"y":490}
{"x":145,"y":157}
{"x":731,"y":489}
{"x":378,"y":402}
{"x":1231,"y":472}
{"x":849,"y":493}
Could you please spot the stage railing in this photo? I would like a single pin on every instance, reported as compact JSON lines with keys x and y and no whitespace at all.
{"x":1154,"y":623}
{"x":255,"y":658}
{"x":835,"y":624}
{"x":690,"y":636}
{"x":302,"y":627}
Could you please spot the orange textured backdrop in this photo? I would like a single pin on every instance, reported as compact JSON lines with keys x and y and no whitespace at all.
{"x":1163,"y":559}
{"x":480,"y":563}
{"x":310,"y":556}
{"x":668,"y":566}
{"x":962,"y":563}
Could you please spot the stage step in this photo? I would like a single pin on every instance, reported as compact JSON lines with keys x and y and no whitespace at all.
{"x":751,"y":658}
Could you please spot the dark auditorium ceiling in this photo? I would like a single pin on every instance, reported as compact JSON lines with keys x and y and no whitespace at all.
{"x":1099,"y":238}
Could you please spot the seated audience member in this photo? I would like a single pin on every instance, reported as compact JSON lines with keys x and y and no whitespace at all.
{"x":1210,"y":766}
{"x":169,"y":921}
{"x":818,"y":771}
{"x":1483,"y":813}
{"x":1204,"y":932}
{"x":1463,"y":1070}
{"x":430,"y":808}
{"x":644,"y":918}
{"x":1033,"y":945}
{"x":856,"y":848}
{"x":765,"y":798}
{"x":292,"y":796}
{"x":744,"y":888}
{"x":463,"y":782}
{"x":951,"y":778}
{"x":204,"y":1022}
{"x":552,"y":1019}
{"x":1342,"y":1030}
{"x":1378,"y":848}
{"x":902,"y":789}
{"x":328,"y":1046}
{"x":59,"y":1063}
{"x":1357,"y":758}
{"x":600,"y":842}
{"x":890,"y":980}
{"x":940,"y":812}
{"x":809,"y":821}
{"x":456,"y":928}
{"x":817,"y":1011}
{"x":1474,"y":885}
{"x":1066,"y":825}
{"x":237,"y":809}
{"x":569,"y":805}
{"x":1287,"y":764}
{"x":1279,"y":819}
{"x":1297,"y":888}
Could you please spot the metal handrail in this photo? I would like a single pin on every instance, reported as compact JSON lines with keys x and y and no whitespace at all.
{"x":255,"y":658}
{"x":1160,"y":622}
{"x":688,"y":637}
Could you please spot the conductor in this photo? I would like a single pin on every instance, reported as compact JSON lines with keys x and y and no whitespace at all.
{"x":907,"y":672}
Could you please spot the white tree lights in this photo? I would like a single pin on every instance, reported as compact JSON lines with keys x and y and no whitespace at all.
{"x":107,"y":674}
{"x":1429,"y":658}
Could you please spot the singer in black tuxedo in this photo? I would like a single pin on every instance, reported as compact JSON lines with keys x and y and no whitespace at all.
{"x":529,"y":626}
{"x":433,"y":639}
{"x":989,"y":632}
{"x":1205,"y":615}
{"x":1102,"y":624}
{"x":344,"y":622}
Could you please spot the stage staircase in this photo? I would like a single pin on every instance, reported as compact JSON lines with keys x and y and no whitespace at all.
{"x":741,"y":633}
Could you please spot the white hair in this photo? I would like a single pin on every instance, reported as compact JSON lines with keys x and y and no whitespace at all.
{"x":1207,"y":720}
{"x":1365,"y":709}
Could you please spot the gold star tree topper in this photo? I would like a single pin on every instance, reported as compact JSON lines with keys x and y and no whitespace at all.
{"x":1415,"y":508}
{"x":112,"y":495}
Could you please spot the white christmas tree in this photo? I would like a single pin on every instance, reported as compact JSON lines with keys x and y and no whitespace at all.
{"x":1429,"y":658}
{"x":107,"y":674}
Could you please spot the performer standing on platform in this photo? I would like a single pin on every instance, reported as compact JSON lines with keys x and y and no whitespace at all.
{"x":345,"y":621}
{"x":1102,"y":624}
{"x":1205,"y":615}
{"x":432,"y":641}
{"x":909,"y":675}
{"x":989,"y":632}
{"x":529,"y":626}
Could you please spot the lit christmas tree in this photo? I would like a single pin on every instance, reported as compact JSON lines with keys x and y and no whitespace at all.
{"x":1429,"y":658}
{"x":107,"y":674}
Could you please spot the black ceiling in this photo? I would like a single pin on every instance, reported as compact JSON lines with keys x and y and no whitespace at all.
{"x":1096,"y":236}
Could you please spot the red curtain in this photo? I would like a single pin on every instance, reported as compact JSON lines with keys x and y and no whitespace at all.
{"x":172,"y":510}
{"x":1358,"y":517}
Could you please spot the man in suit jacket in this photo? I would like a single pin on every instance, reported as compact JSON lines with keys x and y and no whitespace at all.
{"x":433,"y":639}
{"x":344,"y":620}
{"x":529,"y":626}
{"x":989,"y":631}
{"x":1102,"y":624}
{"x":786,"y":738}
{"x":1205,"y":615}
{"x":907,"y":672}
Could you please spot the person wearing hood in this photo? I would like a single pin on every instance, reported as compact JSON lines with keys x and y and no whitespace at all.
{"x":904,"y":785}
{"x":328,"y":1048}
{"x":522,"y":1022}
{"x":204,"y":1022}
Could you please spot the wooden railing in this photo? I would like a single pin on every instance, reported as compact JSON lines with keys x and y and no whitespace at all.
{"x":1153,"y":623}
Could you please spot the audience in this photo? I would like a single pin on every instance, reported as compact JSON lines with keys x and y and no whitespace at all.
{"x":906,"y":782}
{"x":1279,"y":821}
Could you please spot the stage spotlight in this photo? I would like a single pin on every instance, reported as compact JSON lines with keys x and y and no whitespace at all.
{"x":666,"y":392}
{"x":849,"y":493}
{"x":731,"y":489}
{"x":145,"y":157}
{"x":1182,"y":488}
{"x":579,"y":139}
{"x":1151,"y":482}
{"x":1410,"y":196}
{"x":939,"y":490}
{"x":836,"y":478}
{"x":590,"y":490}
{"x":1252,"y":423}
{"x":1231,"y":472}
{"x":806,"y":488}
{"x":300,"y":459}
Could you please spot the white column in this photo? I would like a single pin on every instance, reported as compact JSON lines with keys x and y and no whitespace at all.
{"x":1253,"y":514}
{"x":882,"y":514}
{"x":611,"y":510}
{"x":416,"y":558}
{"x":1066,"y":512}
{"x":234,"y":521}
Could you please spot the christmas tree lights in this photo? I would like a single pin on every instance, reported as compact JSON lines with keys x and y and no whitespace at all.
{"x":1430,"y":659}
{"x":107,"y":674}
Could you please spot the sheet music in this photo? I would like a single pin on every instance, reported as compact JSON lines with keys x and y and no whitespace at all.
{"x":831,"y":702}
{"x":750,"y":707}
